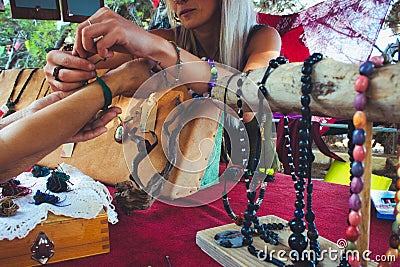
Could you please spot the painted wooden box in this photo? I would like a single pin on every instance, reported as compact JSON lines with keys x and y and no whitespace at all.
{"x":72,"y":238}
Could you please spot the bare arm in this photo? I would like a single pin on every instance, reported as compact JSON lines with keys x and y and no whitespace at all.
{"x":27,"y":140}
{"x":264,"y":46}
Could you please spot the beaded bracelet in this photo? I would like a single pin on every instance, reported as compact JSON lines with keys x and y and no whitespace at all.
{"x":7,"y":207}
{"x":178,"y":67}
{"x":214,"y":75}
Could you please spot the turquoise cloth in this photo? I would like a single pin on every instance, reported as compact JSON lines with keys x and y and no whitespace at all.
{"x":210,"y":176}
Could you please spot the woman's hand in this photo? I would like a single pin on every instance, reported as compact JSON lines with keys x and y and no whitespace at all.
{"x":73,"y":71}
{"x":106,"y":32}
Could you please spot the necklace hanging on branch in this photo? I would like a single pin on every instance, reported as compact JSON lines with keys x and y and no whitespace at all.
{"x":297,"y":240}
{"x":251,"y":169}
{"x":357,"y":156}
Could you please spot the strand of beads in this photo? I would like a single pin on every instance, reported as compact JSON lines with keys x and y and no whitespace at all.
{"x":312,"y":233}
{"x":297,"y":240}
{"x":357,"y":184}
{"x":359,"y":151}
{"x":250,"y":217}
{"x":235,"y":171}
{"x":392,"y":253}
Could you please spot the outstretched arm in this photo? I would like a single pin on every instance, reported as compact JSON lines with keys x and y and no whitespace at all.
{"x":29,"y":139}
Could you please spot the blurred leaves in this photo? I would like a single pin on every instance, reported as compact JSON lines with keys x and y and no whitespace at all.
{"x":284,"y":7}
{"x":43,"y":35}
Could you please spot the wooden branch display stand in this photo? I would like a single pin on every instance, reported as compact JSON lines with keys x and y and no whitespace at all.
{"x":240,"y":257}
{"x":73,"y":238}
{"x":332,"y":96}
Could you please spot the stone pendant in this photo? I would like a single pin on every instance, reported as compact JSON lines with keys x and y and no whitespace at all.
{"x":119,"y":133}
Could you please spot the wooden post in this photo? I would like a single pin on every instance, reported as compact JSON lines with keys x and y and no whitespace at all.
{"x":363,"y":240}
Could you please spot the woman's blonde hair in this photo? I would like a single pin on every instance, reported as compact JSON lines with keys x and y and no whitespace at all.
{"x":237,"y":19}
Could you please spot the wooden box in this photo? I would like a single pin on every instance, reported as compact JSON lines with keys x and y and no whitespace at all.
{"x":73,"y":238}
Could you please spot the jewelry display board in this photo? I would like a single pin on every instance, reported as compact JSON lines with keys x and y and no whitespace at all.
{"x":74,"y":11}
{"x":239,"y":257}
{"x":2,"y":9}
{"x":38,"y":9}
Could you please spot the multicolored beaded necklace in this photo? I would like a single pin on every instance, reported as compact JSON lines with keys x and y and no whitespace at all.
{"x":357,"y":152}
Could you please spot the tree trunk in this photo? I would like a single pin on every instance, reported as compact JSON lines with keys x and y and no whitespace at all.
{"x":332,"y":94}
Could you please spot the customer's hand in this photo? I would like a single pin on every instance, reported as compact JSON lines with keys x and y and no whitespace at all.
{"x":96,"y":127}
{"x":91,"y":130}
{"x":72,"y":73}
{"x":106,"y":32}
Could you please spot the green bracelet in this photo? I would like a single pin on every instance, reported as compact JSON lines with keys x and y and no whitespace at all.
{"x":106,"y":92}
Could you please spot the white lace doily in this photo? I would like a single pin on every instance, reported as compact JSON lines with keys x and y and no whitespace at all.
{"x":87,"y":198}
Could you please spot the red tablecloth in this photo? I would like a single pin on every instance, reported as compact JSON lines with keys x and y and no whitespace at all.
{"x":145,"y":238}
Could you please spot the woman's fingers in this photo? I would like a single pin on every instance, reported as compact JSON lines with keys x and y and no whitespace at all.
{"x":65,"y":59}
{"x":87,"y":26}
{"x":65,"y":72}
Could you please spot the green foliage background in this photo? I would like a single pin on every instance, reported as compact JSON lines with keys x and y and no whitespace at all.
{"x":39,"y":36}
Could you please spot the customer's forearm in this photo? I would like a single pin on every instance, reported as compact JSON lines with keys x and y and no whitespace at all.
{"x":34,"y":136}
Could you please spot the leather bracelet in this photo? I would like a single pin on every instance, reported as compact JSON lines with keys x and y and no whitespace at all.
{"x":106,"y":93}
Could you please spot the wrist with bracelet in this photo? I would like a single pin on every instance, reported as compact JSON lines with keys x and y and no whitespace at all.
{"x":178,"y":67}
{"x":106,"y":93}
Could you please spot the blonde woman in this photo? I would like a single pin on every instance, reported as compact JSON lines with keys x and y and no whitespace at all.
{"x":219,"y":29}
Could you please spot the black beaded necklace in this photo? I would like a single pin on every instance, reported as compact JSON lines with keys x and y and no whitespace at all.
{"x":249,"y":217}
{"x":297,"y":240}
{"x":12,"y":103}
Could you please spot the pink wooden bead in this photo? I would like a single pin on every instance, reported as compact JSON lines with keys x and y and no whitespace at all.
{"x":377,"y":60}
{"x":355,"y":218}
{"x":359,"y":153}
{"x":361,"y":84}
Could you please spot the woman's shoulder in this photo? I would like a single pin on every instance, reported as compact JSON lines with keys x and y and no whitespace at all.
{"x":261,"y":35}
{"x":262,"y":30}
